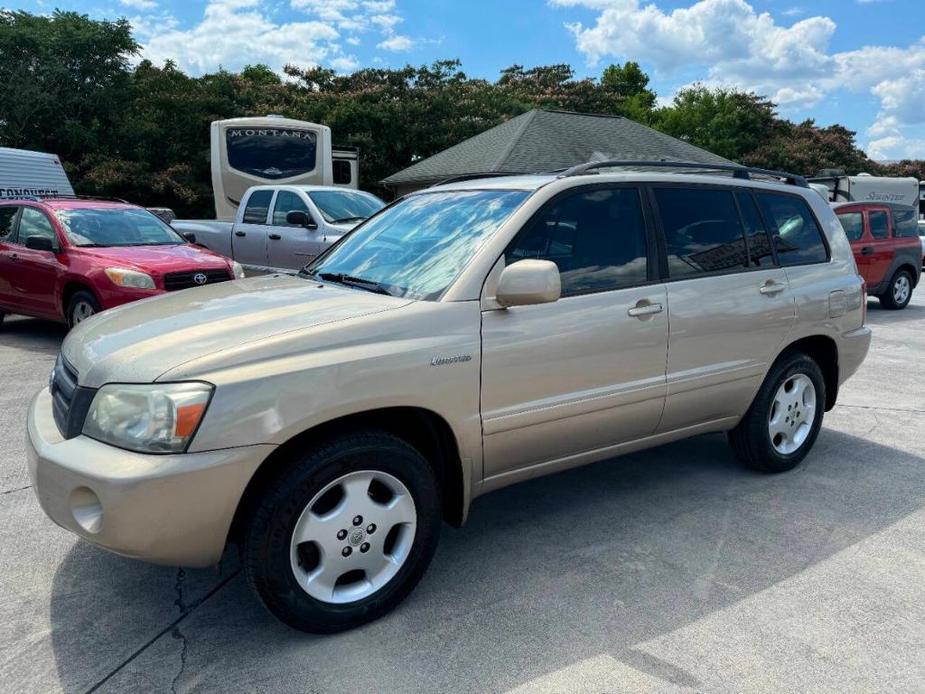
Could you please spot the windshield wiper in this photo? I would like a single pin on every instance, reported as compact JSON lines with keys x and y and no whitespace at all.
{"x":344,"y":220}
{"x":358,"y":282}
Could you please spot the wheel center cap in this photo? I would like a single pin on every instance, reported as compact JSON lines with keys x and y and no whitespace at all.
{"x":357,"y":536}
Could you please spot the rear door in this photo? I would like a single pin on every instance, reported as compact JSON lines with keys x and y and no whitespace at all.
{"x":563,"y":381}
{"x":730,"y":304}
{"x":34,"y":274}
{"x":879,"y":247}
{"x":9,"y":253}
{"x":250,"y":236}
{"x":291,"y":246}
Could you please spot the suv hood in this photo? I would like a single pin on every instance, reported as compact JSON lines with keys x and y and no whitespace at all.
{"x":139,"y":342}
{"x":157,"y":259}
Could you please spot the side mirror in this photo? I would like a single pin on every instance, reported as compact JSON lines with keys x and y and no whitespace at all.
{"x":40,"y":243}
{"x":300,"y":218}
{"x":189,"y":236}
{"x":529,"y":282}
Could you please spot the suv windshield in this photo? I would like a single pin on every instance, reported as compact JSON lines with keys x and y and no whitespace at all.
{"x":336,"y":206}
{"x":118,"y":226}
{"x":418,"y":246}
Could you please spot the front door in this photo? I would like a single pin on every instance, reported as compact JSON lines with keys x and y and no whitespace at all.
{"x":291,"y":246}
{"x":249,"y":236}
{"x":586,"y":372}
{"x":878,"y":246}
{"x":730,"y":304}
{"x":34,"y":274}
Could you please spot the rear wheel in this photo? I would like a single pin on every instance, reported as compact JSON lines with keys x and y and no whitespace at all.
{"x":783,"y":422}
{"x":899,"y":293}
{"x":81,"y":306}
{"x":342,"y":534}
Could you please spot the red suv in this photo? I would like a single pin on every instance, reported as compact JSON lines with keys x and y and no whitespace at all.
{"x":886,"y":248}
{"x":66,"y":259}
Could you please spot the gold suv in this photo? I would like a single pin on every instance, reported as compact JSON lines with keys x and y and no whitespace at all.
{"x":467,"y":337}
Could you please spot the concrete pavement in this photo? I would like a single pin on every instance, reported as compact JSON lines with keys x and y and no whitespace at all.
{"x":668,"y":570}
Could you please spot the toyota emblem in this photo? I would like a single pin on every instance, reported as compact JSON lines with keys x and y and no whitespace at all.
{"x":200,"y":278}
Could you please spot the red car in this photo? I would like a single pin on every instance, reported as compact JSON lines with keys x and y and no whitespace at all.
{"x":65,"y":259}
{"x":886,"y":248}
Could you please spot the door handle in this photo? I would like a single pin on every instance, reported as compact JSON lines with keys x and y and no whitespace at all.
{"x":275,"y":237}
{"x":240,"y":233}
{"x":772,"y":288}
{"x":14,"y":257}
{"x":867,"y":250}
{"x":642,"y":309}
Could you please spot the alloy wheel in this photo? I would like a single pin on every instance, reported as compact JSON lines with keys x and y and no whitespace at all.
{"x":792,"y":414}
{"x":901,"y":289}
{"x":353,"y":536}
{"x":81,"y":311}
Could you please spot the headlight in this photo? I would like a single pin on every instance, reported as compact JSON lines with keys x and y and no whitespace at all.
{"x":237,"y":269}
{"x":130,"y":278}
{"x":154,"y":418}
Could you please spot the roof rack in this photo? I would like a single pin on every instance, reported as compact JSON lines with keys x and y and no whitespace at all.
{"x":737,"y":170}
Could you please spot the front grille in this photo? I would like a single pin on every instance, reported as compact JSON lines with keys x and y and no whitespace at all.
{"x":174,"y":281}
{"x":70,"y":402}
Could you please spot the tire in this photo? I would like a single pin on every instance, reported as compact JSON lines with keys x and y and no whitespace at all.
{"x":81,"y":306}
{"x":899,"y":293}
{"x":319,"y":494}
{"x":2,"y":316}
{"x":752,"y":440}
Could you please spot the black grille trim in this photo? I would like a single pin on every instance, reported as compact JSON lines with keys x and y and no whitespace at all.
{"x":70,"y":402}
{"x":174,"y":281}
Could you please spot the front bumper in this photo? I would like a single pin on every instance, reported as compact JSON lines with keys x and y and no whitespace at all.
{"x":167,"y":509}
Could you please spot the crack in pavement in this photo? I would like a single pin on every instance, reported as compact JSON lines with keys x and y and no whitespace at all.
{"x":170,"y":628}
{"x":909,"y":410}
{"x":19,"y":489}
{"x":177,"y":634}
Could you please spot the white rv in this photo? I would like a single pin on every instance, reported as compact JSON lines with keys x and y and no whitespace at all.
{"x":24,"y":173}
{"x":867,"y":188}
{"x":274,"y":150}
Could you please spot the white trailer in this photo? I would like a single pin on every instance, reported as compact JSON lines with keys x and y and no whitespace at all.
{"x":273,"y":150}
{"x":24,"y":173}
{"x":867,"y":188}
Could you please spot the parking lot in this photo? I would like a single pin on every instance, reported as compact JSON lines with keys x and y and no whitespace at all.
{"x":669,"y":570}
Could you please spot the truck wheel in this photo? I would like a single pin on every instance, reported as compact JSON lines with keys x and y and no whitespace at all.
{"x":899,"y":293}
{"x":341,"y":534}
{"x":81,"y":306}
{"x":783,"y":421}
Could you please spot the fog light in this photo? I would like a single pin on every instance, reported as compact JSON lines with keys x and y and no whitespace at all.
{"x":87,"y":509}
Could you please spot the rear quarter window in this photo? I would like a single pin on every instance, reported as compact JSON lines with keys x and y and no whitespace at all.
{"x":796,"y":233}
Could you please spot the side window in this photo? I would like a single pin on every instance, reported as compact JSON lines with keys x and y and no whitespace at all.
{"x":286,"y":202}
{"x":35,"y":223}
{"x":597,"y":238}
{"x":879,"y":224}
{"x":7,"y":220}
{"x":258,"y":204}
{"x":853,"y":224}
{"x":702,"y":230}
{"x":796,"y":234}
{"x":759,"y":243}
{"x":906,"y":222}
{"x":342,"y":172}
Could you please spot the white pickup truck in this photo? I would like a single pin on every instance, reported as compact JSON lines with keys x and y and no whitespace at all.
{"x":282,"y":227}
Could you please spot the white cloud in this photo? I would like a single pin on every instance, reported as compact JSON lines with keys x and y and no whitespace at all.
{"x":738,"y":46}
{"x":139,"y":4}
{"x":396,"y":44}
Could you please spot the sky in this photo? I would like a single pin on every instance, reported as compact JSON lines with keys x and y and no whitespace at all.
{"x":860,"y":63}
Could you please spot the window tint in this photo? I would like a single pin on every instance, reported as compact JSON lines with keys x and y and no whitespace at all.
{"x":35,"y":223}
{"x":286,"y":202}
{"x":797,"y":237}
{"x":7,"y":218}
{"x":597,"y":238}
{"x":702,"y":230}
{"x":342,"y":173}
{"x":853,"y":224}
{"x":906,"y":221}
{"x":879,"y":224}
{"x":257,"y":206}
{"x":271,"y":153}
{"x":759,"y":243}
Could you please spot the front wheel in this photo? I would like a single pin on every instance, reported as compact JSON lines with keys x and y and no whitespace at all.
{"x":341,"y":535}
{"x":81,"y":306}
{"x":782,"y":424}
{"x":899,"y":293}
